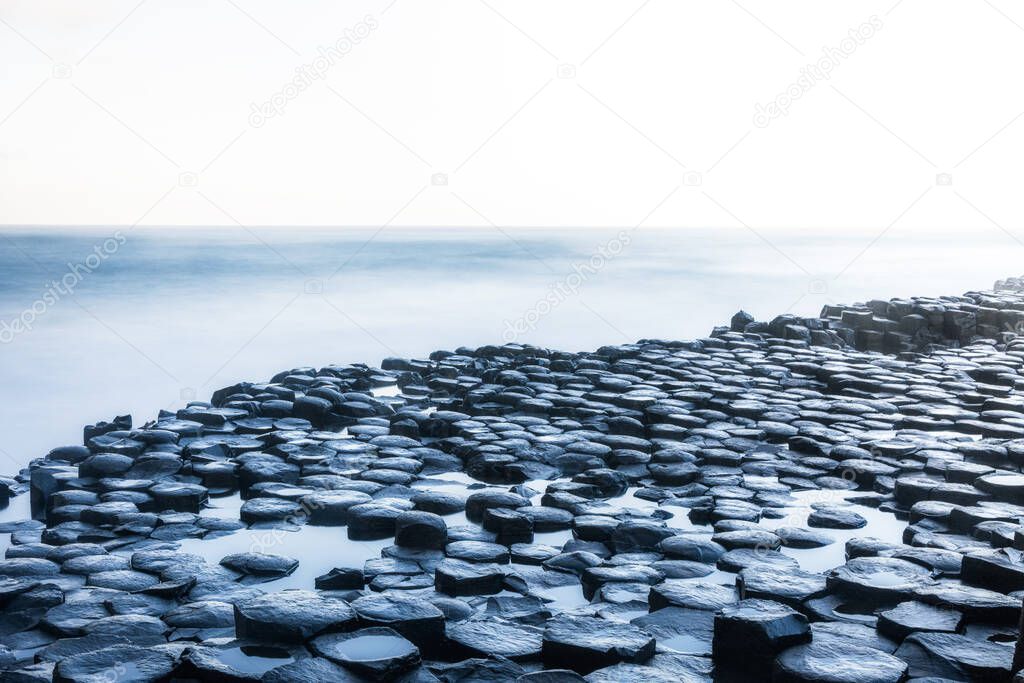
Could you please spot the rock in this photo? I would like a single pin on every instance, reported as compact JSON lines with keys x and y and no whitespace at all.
{"x":138,"y":628}
{"x":692,"y":548}
{"x":690,"y":594}
{"x":740,"y":320}
{"x":66,"y":647}
{"x":417,"y":619}
{"x":547,"y":519}
{"x":682,"y":569}
{"x":844,"y":633}
{"x":912,"y":616}
{"x":415,"y":529}
{"x":496,"y":637}
{"x":105,"y":465}
{"x":330,"y":508}
{"x":438,"y":502}
{"x":483,"y":670}
{"x":997,"y":569}
{"x":177,"y":496}
{"x":751,"y":539}
{"x":584,"y":644}
{"x":28,"y":566}
{"x":371,"y":521}
{"x":820,"y":662}
{"x":641,"y":575}
{"x":977,"y":604}
{"x":311,"y":670}
{"x":835,"y":517}
{"x":205,"y":664}
{"x":33,"y":673}
{"x":551,"y":676}
{"x":257,"y":510}
{"x":532,"y":553}
{"x":509,"y":526}
{"x":798,"y":537}
{"x":740,"y":559}
{"x":291,"y":616}
{"x":94,"y":564}
{"x":634,"y":535}
{"x":879,"y":578}
{"x":1008,"y":486}
{"x":260,"y":564}
{"x":122,"y":580}
{"x":681,"y":630}
{"x":940,"y":562}
{"x":202,"y":614}
{"x":655,"y":464}
{"x":749,"y":634}
{"x":952,"y":656}
{"x":674,"y":474}
{"x":789,"y":586}
{"x":114,"y":663}
{"x":340,"y":579}
{"x":457,"y":577}
{"x":477,"y":503}
{"x":378,"y":653}
{"x":71,"y":618}
{"x":478,"y":551}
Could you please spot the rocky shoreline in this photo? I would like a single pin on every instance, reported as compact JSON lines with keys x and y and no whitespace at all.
{"x":826,"y":499}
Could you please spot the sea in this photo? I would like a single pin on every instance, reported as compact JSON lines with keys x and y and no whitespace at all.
{"x":98,"y":321}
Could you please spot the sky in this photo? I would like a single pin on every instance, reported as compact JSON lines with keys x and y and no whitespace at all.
{"x":903,"y":114}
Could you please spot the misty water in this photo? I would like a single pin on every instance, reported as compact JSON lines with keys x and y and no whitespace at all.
{"x":168,"y":315}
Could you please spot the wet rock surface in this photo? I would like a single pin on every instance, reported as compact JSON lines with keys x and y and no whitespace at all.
{"x":828,"y":499}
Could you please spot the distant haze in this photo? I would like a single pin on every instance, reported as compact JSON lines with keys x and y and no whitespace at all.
{"x":873,"y":115}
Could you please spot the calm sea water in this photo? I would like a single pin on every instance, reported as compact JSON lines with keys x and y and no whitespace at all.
{"x":149,"y":318}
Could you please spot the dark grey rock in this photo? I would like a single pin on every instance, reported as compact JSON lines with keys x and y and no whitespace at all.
{"x":115,"y":662}
{"x":457,"y":577}
{"x":749,"y":634}
{"x":835,"y":517}
{"x":584,"y":644}
{"x":478,"y":551}
{"x":257,"y":510}
{"x":957,"y":657}
{"x":417,"y":529}
{"x":260,"y":564}
{"x":845,"y":663}
{"x":999,"y":569}
{"x":417,"y":619}
{"x":691,"y":594}
{"x":693,"y":548}
{"x":378,"y":653}
{"x":311,"y":670}
{"x":789,"y":586}
{"x":879,"y":578}
{"x":681,"y":630}
{"x":341,"y":578}
{"x":496,"y":637}
{"x":912,"y":616}
{"x":291,"y":616}
{"x":330,"y":508}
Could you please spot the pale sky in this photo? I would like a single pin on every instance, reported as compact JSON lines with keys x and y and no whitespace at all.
{"x":533,"y":113}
